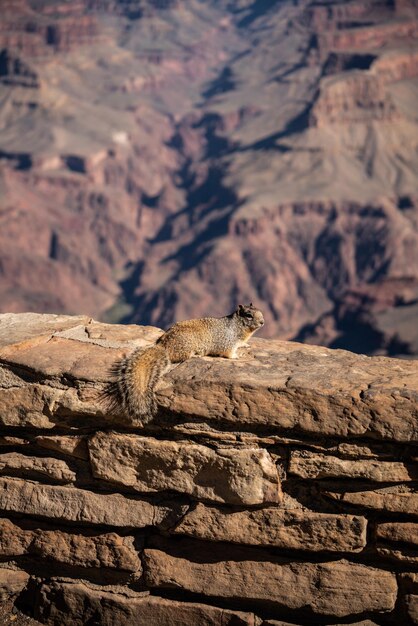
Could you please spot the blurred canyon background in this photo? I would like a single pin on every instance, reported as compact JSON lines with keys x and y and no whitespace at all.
{"x":167,"y":159}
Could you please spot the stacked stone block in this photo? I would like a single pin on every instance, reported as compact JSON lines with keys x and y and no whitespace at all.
{"x":277,"y":489}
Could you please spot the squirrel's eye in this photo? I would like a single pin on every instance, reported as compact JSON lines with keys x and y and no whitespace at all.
{"x":248,"y":315}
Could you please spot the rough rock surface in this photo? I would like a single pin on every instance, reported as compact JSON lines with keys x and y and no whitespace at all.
{"x":292,"y":468}
{"x":103,"y":550}
{"x":73,"y":445}
{"x":312,"y":465}
{"x":292,"y":529}
{"x":79,"y":505}
{"x":71,"y":603}
{"x":394,"y":531}
{"x":387,"y":499}
{"x":12,"y":582}
{"x":339,"y":588}
{"x":227,"y":475}
{"x":55,"y":469}
{"x":412,"y":608}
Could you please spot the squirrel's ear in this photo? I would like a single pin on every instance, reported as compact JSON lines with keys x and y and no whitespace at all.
{"x":251,"y":304}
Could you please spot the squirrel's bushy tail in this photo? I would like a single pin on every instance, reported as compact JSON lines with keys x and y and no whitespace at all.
{"x":134,"y":380}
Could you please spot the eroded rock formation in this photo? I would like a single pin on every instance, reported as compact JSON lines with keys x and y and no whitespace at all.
{"x":161,"y":160}
{"x":281,"y":486}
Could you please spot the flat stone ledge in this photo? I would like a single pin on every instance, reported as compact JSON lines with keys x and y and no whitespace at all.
{"x":280,"y":386}
{"x":18,"y":327}
{"x":302,"y":388}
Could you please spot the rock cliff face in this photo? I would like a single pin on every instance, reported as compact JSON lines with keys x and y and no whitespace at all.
{"x":277,"y":489}
{"x":162,"y":160}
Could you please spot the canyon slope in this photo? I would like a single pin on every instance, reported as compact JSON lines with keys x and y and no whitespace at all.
{"x":166,"y":159}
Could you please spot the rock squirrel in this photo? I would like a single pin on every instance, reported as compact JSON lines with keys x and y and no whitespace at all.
{"x":134,"y":377}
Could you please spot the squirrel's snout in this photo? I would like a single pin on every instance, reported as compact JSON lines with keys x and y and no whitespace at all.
{"x":259,"y":321}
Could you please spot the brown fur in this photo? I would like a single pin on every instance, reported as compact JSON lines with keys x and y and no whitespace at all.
{"x":135,"y":377}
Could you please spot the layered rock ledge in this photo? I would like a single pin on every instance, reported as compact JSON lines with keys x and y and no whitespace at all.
{"x":280,"y":488}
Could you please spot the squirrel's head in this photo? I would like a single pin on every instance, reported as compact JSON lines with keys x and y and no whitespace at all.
{"x":250,"y":317}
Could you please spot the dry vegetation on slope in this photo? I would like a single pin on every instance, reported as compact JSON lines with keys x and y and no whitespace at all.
{"x":163,"y":160}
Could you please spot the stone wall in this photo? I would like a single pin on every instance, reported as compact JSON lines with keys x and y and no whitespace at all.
{"x":278,"y":488}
